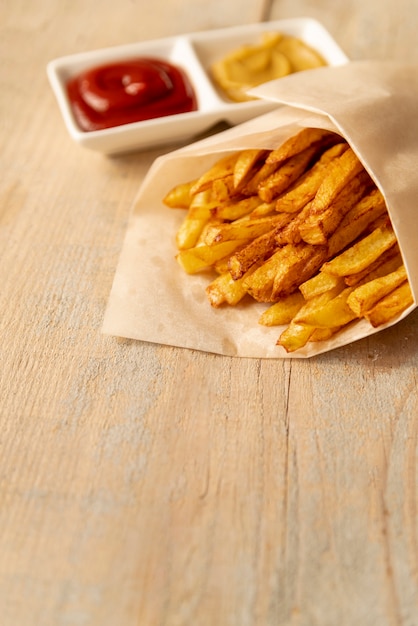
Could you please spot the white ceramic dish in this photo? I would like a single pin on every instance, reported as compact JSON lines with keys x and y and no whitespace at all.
{"x":195,"y":53}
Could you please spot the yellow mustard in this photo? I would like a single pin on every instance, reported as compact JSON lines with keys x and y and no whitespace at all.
{"x":252,"y":64}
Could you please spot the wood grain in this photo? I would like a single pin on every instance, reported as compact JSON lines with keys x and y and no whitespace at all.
{"x":144,"y":485}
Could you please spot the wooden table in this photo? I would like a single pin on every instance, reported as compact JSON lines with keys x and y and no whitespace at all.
{"x":144,"y":485}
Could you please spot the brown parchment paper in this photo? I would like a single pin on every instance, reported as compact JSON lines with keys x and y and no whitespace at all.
{"x":372,"y":104}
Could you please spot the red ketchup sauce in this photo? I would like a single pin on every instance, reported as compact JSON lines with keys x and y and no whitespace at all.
{"x":129,"y":91}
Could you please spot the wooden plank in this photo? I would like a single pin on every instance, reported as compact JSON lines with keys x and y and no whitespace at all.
{"x":143,"y":484}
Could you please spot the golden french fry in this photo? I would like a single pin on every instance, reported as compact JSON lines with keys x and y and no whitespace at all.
{"x":285,"y":175}
{"x":225,"y":290}
{"x":321,"y":283}
{"x":244,"y":166}
{"x":202,"y":204}
{"x":260,"y":284}
{"x":263,"y":209}
{"x":386,"y":263}
{"x":223,"y":189}
{"x":365,"y":297}
{"x":196,"y":259}
{"x":295,"y":336}
{"x":179,"y":197}
{"x":321,"y":223}
{"x":334,"y":313}
{"x":281,"y":273}
{"x":340,"y":171}
{"x":260,"y":249}
{"x":305,"y":138}
{"x":306,"y":262}
{"x":305,"y":188}
{"x":298,"y":333}
{"x":323,"y":334}
{"x":263,"y":172}
{"x":316,"y":303}
{"x":361,"y":254}
{"x":241,"y":229}
{"x":391,"y":305}
{"x":354,"y":223}
{"x":222,"y":168}
{"x":221,"y":266}
{"x":290,"y":233}
{"x":197,"y":218}
{"x":234,"y":210}
{"x":283,"y":311}
{"x":189,"y":232}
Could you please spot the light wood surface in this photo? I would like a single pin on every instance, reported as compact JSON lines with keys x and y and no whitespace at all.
{"x":143,"y":485}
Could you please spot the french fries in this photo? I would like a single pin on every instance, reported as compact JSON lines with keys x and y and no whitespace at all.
{"x":301,"y":228}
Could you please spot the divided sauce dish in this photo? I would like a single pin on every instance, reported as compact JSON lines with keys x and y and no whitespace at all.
{"x":195,"y":53}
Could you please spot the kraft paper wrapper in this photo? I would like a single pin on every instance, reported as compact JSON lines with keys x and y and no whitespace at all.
{"x":373,"y":105}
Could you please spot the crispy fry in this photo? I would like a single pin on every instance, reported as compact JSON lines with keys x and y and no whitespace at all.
{"x":202,"y":204}
{"x":341,"y":170}
{"x":321,"y":223}
{"x":361,"y":254}
{"x":281,"y":273}
{"x":336,"y":312}
{"x":387,"y":262}
{"x":260,"y":284}
{"x":263,"y":209}
{"x":225,"y":290}
{"x":197,"y":218}
{"x":305,"y":138}
{"x":305,"y":188}
{"x":265,"y":170}
{"x":319,"y":284}
{"x":365,"y":297}
{"x":241,"y":229}
{"x":234,"y":210}
{"x":323,"y":334}
{"x":295,"y":336}
{"x":298,"y":333}
{"x":244,"y":166}
{"x":189,"y":232}
{"x":356,"y":221}
{"x":316,"y":303}
{"x":283,"y":311}
{"x":222,"y":168}
{"x":260,"y":249}
{"x":223,"y":189}
{"x":285,"y":175}
{"x":222,"y":266}
{"x":391,"y":305}
{"x":306,"y":262}
{"x":180,"y":196}
{"x":290,"y":232}
{"x":199,"y":258}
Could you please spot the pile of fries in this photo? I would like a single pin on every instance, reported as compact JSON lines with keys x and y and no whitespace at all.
{"x":302,"y":228}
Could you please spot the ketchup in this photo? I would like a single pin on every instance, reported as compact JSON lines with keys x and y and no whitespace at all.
{"x":132,"y":90}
